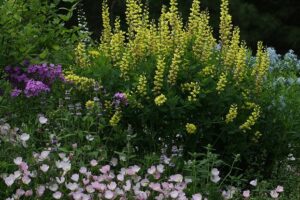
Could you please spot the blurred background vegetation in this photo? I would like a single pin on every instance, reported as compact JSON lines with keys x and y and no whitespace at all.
{"x":276,"y":22}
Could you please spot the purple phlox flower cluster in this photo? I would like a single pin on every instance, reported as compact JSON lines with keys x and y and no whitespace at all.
{"x":120,"y":98}
{"x":46,"y":73}
{"x":33,"y":81}
{"x":35,"y":88}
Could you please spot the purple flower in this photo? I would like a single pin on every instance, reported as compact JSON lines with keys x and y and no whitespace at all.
{"x":120,"y":98}
{"x":15,"y":92}
{"x":34,"y":88}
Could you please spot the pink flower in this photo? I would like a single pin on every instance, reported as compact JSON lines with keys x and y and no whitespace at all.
{"x":28,"y":193}
{"x":20,"y":192}
{"x":9,"y":180}
{"x":44,"y":167}
{"x":246,"y":193}
{"x":178,"y":178}
{"x":75,"y":177}
{"x":57,"y":195}
{"x":83,"y":170}
{"x":26,"y":180}
{"x":155,"y":187}
{"x":108,"y":194}
{"x":274,"y":194}
{"x":112,"y":186}
{"x":151,"y":170}
{"x":40,"y":190}
{"x":279,"y":189}
{"x":197,"y":197}
{"x":105,"y":169}
{"x":93,"y":163}
{"x":18,"y":160}
{"x":174,"y":194}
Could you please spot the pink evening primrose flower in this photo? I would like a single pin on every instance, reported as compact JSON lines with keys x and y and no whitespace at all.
{"x":246,"y":193}
{"x":279,"y":189}
{"x":274,"y":194}
{"x":197,"y":197}
{"x":253,"y":182}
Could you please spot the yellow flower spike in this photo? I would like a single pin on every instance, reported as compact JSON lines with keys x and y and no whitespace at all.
{"x":142,"y":85}
{"x":222,"y":83}
{"x":232,"y":114}
{"x":209,"y":70}
{"x":251,"y":119}
{"x":90,"y":104}
{"x":241,"y":65}
{"x":190,"y":128}
{"x":233,"y":49}
{"x":160,"y":100}
{"x":261,"y":65}
{"x":194,"y":90}
{"x":94,"y":53}
{"x":106,"y":32}
{"x":83,"y":83}
{"x":159,"y":75}
{"x":225,"y":24}
{"x":117,"y":42}
{"x":134,"y":14}
{"x":124,"y":66}
{"x":82,"y":59}
{"x":115,"y":119}
{"x":194,"y":16}
{"x":174,"y":68}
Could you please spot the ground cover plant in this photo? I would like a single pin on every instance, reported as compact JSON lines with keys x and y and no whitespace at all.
{"x":159,"y":110}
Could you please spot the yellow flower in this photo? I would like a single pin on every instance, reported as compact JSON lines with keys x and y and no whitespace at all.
{"x":232,"y":114}
{"x":94,"y":53}
{"x":193,"y":88}
{"x":251,"y":119}
{"x":82,"y":59}
{"x":115,"y":119}
{"x":190,"y":128}
{"x":159,"y":75}
{"x":225,"y":24}
{"x":221,"y":83}
{"x":83,"y":83}
{"x":174,"y":68}
{"x":160,"y":100}
{"x":90,"y":104}
{"x":142,"y":85}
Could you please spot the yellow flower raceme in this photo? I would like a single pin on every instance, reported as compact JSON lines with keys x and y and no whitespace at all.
{"x":82,"y":59}
{"x":225,"y":24}
{"x":159,"y":75}
{"x":209,"y":70}
{"x":232,"y":114}
{"x":106,"y":32}
{"x":160,"y":100}
{"x":94,"y":53}
{"x":124,"y":66}
{"x":222,"y":83}
{"x":233,"y":49}
{"x":261,"y":66}
{"x":257,"y":136}
{"x":83,"y":83}
{"x":194,"y":16}
{"x":190,"y":128}
{"x":174,"y":68}
{"x":90,"y":104}
{"x":142,"y":85}
{"x":194,"y":90}
{"x":134,"y":15}
{"x":252,"y":119}
{"x":117,"y":42}
{"x":241,"y":65}
{"x":115,"y":119}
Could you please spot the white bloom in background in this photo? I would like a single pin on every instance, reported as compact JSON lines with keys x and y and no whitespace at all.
{"x":43,"y":155}
{"x":18,"y":160}
{"x":151,"y":170}
{"x":174,"y":194}
{"x":215,"y":175}
{"x":17,"y":174}
{"x":57,"y":195}
{"x":89,"y":138}
{"x":53,"y":187}
{"x":44,"y":167}
{"x":291,"y":157}
{"x":83,"y":170}
{"x":178,"y":178}
{"x":160,"y":168}
{"x":112,"y":186}
{"x":9,"y":180}
{"x":40,"y":190}
{"x":215,"y":172}
{"x":274,"y":194}
{"x":253,"y":182}
{"x":43,"y":120}
{"x":64,"y":165}
{"x":215,"y":179}
{"x":60,"y":180}
{"x":197,"y":197}
{"x":26,"y":180}
{"x":72,"y":186}
{"x":24,"y":137}
{"x":75,"y":177}
{"x":114,"y":162}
